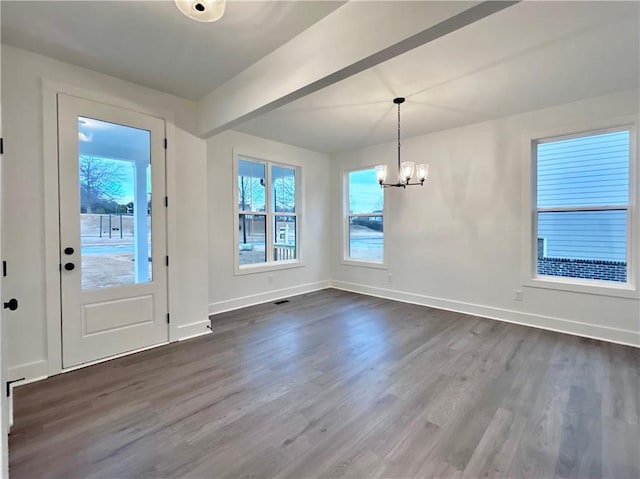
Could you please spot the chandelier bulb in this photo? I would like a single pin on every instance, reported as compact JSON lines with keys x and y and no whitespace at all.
{"x":406,"y":170}
{"x":381,"y":173}
{"x":422,"y":171}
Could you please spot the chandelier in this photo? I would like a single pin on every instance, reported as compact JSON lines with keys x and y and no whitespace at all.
{"x":202,"y":10}
{"x":406,"y":169}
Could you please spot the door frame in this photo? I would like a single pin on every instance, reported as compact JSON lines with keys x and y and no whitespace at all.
{"x":53,"y":306}
{"x":5,"y":402}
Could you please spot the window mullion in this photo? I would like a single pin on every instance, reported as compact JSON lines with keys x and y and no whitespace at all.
{"x":268,"y":240}
{"x":549,"y":209}
{"x":365,"y":215}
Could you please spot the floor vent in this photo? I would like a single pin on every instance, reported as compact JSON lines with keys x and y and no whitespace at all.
{"x":282,"y":301}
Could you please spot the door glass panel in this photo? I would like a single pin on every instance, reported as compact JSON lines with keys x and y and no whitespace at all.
{"x":114,"y":172}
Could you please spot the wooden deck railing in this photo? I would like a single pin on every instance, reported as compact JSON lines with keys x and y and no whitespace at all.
{"x":283,"y":252}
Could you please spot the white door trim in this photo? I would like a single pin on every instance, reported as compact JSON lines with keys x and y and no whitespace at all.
{"x":5,"y":403}
{"x":50,"y":90}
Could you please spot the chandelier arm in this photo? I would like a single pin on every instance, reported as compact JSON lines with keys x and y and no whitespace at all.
{"x":402,"y":184}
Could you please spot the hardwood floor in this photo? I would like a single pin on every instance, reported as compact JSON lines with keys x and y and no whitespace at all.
{"x":334,"y":384}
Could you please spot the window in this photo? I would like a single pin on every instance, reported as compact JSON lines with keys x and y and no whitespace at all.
{"x":267,"y":217}
{"x":364,"y":217}
{"x":582,"y":198}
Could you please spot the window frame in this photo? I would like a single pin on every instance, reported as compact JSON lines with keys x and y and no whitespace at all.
{"x":270,"y":264}
{"x":346,"y":215}
{"x":531,"y":278}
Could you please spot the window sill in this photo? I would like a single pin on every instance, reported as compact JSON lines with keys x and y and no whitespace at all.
{"x":364,"y":264}
{"x":574,"y":285}
{"x":266,"y":267}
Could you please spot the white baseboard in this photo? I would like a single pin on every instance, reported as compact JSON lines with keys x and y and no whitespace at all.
{"x":33,"y":371}
{"x":576,"y":328}
{"x":38,"y":370}
{"x":192,"y":330}
{"x":251,"y":300}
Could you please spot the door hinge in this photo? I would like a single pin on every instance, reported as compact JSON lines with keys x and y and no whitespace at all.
{"x":166,"y":143}
{"x":1,"y":146}
{"x":168,"y":318}
{"x":167,"y":261}
{"x":166,"y":201}
{"x":4,"y":269}
{"x":9,"y":383}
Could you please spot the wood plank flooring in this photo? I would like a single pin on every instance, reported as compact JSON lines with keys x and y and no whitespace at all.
{"x":334,"y":384}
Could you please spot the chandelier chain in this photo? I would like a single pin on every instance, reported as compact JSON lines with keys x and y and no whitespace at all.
{"x":398,"y":136}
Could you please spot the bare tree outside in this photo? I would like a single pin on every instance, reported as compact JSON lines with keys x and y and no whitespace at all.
{"x":100,"y":184}
{"x":284,"y":193}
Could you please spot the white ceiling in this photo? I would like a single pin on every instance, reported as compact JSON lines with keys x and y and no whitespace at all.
{"x":151,"y":43}
{"x":529,"y":56}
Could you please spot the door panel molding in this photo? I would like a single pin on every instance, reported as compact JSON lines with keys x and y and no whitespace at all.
{"x":93,"y":323}
{"x":50,"y":90}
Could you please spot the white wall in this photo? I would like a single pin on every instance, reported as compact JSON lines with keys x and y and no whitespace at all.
{"x":457,"y":242}
{"x":23,"y":220}
{"x":189,"y":274}
{"x":228,"y":291}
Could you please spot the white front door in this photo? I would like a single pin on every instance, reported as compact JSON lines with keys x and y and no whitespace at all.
{"x":113,"y":262}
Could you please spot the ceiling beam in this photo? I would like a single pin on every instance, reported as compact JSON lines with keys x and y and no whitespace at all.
{"x":353,"y":38}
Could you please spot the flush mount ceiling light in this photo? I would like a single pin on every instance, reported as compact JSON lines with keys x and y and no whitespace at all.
{"x":406,"y":168}
{"x":202,"y":10}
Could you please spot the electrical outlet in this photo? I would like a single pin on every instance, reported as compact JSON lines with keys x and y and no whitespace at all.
{"x":517,"y":295}
{"x":270,"y":278}
{"x":389,"y":277}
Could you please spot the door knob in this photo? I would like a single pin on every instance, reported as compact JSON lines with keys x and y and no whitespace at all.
{"x":69,"y":266}
{"x":11,"y":305}
{"x":68,"y":250}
